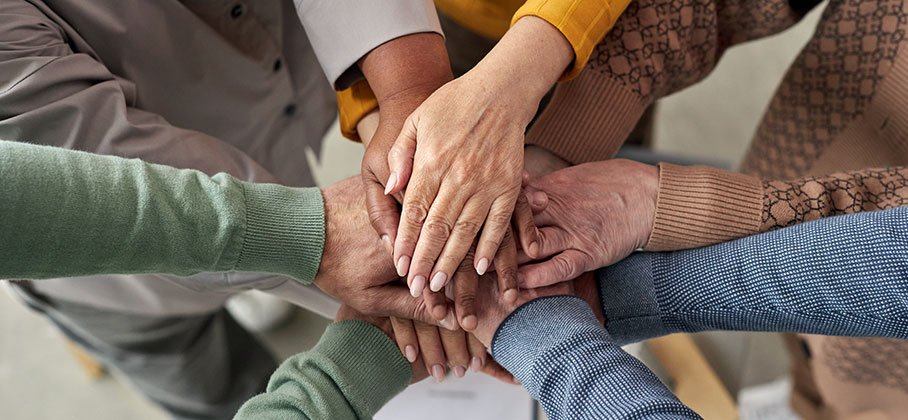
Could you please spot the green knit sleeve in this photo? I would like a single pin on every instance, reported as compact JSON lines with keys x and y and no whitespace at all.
{"x":351,"y":373}
{"x":65,"y":213}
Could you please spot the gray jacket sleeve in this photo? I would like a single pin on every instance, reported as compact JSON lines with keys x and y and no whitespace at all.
{"x":343,"y":31}
{"x":51,"y":95}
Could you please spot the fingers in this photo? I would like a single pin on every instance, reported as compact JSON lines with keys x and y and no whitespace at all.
{"x":441,"y":224}
{"x":437,"y":305}
{"x":562,"y":267}
{"x":458,"y":245}
{"x":466,"y":282}
{"x":496,"y":224}
{"x":525,"y":227}
{"x":506,"y":267}
{"x":400,"y":158}
{"x":493,"y":369}
{"x":478,"y":353}
{"x":552,"y":241}
{"x":382,"y":209}
{"x":395,"y":300}
{"x":405,"y":335}
{"x":456,"y":350}
{"x":417,"y":202}
{"x":433,"y":352}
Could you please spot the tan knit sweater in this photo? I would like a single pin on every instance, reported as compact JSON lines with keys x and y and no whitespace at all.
{"x":841,"y":109}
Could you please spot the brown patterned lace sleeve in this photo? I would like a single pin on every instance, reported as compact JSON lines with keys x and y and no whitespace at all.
{"x":786,"y":203}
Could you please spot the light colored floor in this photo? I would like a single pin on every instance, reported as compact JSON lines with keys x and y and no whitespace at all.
{"x":40,"y":380}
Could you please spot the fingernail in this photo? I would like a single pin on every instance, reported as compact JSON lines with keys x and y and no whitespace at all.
{"x":448,"y":322}
{"x":411,"y":353}
{"x":533,"y":248}
{"x":403,"y":265}
{"x":385,"y":239}
{"x":438,"y":281}
{"x":392,"y":181}
{"x":482,"y":266}
{"x":476,"y":364}
{"x":469,"y":322}
{"x":539,"y":198}
{"x":418,"y":284}
{"x":460,"y":371}
{"x":510,"y":295}
{"x":438,"y":372}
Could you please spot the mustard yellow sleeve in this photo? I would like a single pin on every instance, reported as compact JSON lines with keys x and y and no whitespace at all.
{"x":353,"y":104}
{"x":583,"y":23}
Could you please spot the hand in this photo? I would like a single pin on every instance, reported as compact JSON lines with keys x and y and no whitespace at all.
{"x":347,"y":313}
{"x":355,"y":267}
{"x":460,"y":155}
{"x":493,"y":310}
{"x":439,"y":348}
{"x":596,"y":214}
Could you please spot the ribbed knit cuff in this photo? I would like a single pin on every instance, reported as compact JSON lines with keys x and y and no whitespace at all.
{"x":538,"y":327}
{"x":369,"y":360}
{"x":587,"y":119}
{"x":629,"y":301}
{"x":285,"y":231}
{"x":699,"y":206}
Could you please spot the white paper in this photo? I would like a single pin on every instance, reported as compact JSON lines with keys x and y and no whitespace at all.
{"x":475,"y":397}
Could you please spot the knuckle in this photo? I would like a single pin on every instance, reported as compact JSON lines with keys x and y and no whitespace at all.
{"x":507,"y":274}
{"x":467,"y":300}
{"x":499,"y":219}
{"x":563,"y":267}
{"x":416,"y":212}
{"x":437,"y":227}
{"x":425,"y":261}
{"x":468,"y":227}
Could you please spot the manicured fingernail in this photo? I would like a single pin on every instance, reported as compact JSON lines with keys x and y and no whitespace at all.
{"x":510,"y":295}
{"x":469,"y":322}
{"x":482,"y":266}
{"x":476,"y":364}
{"x":533,"y":248}
{"x":448,"y":322}
{"x":418,"y":284}
{"x":460,"y":371}
{"x":411,"y":353}
{"x":386,"y":240}
{"x":438,"y":372}
{"x":392,"y":181}
{"x":403,"y":265}
{"x":438,"y":281}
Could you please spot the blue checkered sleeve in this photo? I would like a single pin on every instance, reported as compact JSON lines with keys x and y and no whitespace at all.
{"x":556,"y":348}
{"x":845,"y":275}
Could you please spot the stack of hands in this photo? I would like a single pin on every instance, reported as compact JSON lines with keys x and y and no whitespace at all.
{"x":567,"y":222}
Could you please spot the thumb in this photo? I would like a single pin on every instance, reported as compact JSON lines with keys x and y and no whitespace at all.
{"x":400,"y":157}
{"x":383,"y":213}
{"x":397,"y":301}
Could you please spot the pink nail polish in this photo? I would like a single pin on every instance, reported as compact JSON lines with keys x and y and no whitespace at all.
{"x":403,"y":265}
{"x":417,"y":286}
{"x":482,"y":266}
{"x":411,"y":353}
{"x":460,"y":371}
{"x":392,"y":181}
{"x":476,"y":364}
{"x":438,"y":372}
{"x":438,"y":281}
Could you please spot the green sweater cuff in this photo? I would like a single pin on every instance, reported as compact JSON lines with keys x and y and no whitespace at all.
{"x":285,"y":231}
{"x":372,"y":368}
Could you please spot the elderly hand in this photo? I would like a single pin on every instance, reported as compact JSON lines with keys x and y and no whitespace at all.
{"x":347,"y":313}
{"x":355,"y":267}
{"x":460,"y":157}
{"x":596,"y":214}
{"x":439,"y":348}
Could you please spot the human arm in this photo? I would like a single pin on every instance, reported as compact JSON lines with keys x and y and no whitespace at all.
{"x":654,"y":49}
{"x":836,"y":276}
{"x":555,"y":346}
{"x":352,"y":372}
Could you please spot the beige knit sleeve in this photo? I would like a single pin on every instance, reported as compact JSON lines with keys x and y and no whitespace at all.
{"x":700,"y":206}
{"x":656,"y":48}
